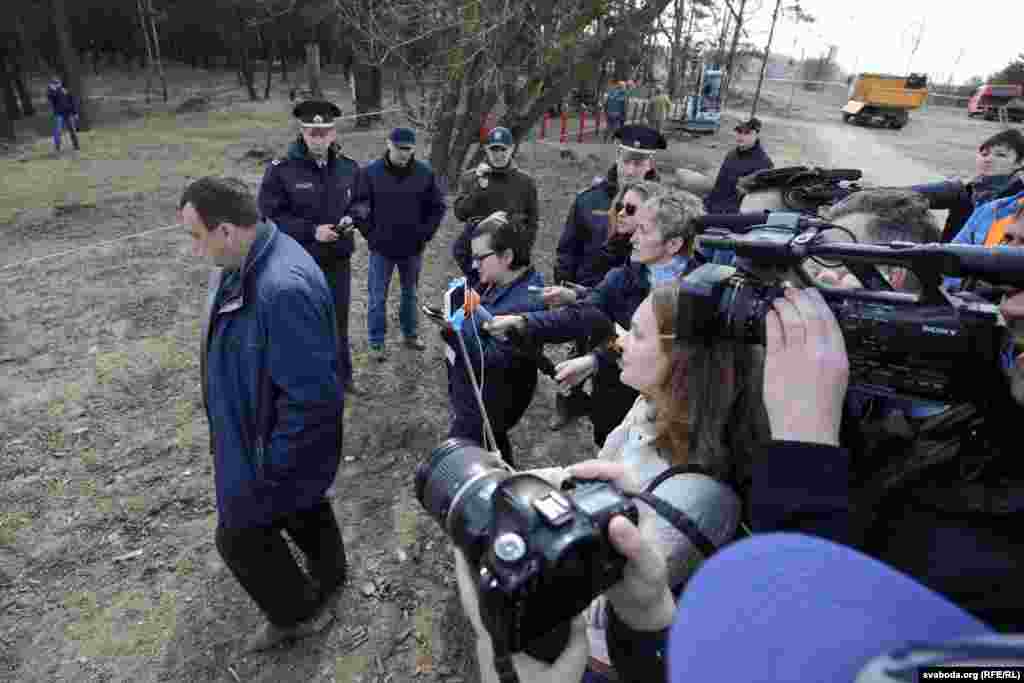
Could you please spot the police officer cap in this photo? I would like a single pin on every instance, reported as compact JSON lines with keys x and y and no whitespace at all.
{"x":500,"y":136}
{"x":316,"y":113}
{"x":638,"y":138}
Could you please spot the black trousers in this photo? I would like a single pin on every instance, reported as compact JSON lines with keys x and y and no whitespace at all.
{"x":339,"y":279}
{"x":261,"y":561}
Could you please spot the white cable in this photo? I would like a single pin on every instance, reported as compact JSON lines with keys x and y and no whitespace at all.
{"x":88,"y":247}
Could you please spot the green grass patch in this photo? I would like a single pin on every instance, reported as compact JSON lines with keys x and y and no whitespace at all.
{"x":142,"y":357}
{"x":128,"y":158}
{"x":10,"y":524}
{"x":132,"y":625}
{"x":185,"y":418}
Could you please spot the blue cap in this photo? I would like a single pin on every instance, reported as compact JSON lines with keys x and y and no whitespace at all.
{"x":500,"y":136}
{"x":639,"y":138}
{"x":793,"y":608}
{"x":404,"y":137}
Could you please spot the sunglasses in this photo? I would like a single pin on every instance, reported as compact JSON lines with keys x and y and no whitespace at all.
{"x":403,"y":148}
{"x":630,"y":209}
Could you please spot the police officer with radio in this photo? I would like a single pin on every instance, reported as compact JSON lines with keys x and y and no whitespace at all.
{"x":309,"y":195}
{"x":494,"y":185}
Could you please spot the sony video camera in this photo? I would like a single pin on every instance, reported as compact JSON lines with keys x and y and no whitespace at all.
{"x":542,"y":555}
{"x":930,"y":345}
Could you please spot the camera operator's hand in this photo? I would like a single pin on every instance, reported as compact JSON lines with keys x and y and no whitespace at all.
{"x":571,"y":372}
{"x":806,"y":369}
{"x":558,"y":296}
{"x":569,"y":666}
{"x":326,"y":233}
{"x":501,"y":324}
{"x":642,"y":599}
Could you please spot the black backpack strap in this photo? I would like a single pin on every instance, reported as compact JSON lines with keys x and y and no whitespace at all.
{"x":683,"y":523}
{"x":673,"y":471}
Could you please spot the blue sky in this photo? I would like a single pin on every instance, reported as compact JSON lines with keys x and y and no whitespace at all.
{"x":877,"y":35}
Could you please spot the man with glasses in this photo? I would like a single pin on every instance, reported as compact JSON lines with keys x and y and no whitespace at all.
{"x":405,"y":210}
{"x":581,"y":255}
{"x":494,"y":185}
{"x":309,"y":195}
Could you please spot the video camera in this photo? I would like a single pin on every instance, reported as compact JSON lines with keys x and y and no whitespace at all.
{"x":932,"y":345}
{"x":541,"y":555}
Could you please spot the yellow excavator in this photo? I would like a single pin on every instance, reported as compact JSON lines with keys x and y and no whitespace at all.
{"x":884,"y":100}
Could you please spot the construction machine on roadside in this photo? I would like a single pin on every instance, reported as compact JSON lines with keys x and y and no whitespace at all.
{"x":884,"y":99}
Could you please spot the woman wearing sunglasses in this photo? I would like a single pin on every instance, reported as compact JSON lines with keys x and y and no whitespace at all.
{"x":665,"y":227}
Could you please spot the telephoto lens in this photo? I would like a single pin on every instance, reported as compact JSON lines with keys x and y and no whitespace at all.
{"x":540,"y":554}
{"x":454,"y":485}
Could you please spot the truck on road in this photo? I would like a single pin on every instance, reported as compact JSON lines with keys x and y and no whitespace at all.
{"x":884,"y":99}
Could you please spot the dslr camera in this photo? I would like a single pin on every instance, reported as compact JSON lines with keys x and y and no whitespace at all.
{"x":930,"y":345}
{"x":541,"y":554}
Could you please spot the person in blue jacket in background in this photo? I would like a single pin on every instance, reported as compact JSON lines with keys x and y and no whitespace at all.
{"x":65,"y":113}
{"x":405,"y":210}
{"x":309,"y":195}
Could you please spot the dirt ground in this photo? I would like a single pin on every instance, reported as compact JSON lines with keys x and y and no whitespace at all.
{"x":108,"y":570}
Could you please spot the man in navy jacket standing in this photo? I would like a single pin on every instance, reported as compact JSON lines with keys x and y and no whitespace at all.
{"x":309,"y":195}
{"x":271,"y":389}
{"x":405,"y":210}
{"x":748,"y":157}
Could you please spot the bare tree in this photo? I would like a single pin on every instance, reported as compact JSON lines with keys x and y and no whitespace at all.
{"x":524,"y":57}
{"x":70,"y":63}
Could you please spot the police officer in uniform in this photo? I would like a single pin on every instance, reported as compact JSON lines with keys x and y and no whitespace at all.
{"x":309,"y":195}
{"x":584,"y":253}
{"x":494,"y":185}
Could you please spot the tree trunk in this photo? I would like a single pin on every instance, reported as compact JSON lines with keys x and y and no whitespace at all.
{"x":732,"y":55}
{"x":71,"y":67}
{"x":149,"y":49}
{"x":440,"y":147}
{"x":269,"y":56}
{"x":764,"y":62}
{"x":313,"y":69}
{"x":6,"y":124}
{"x":368,"y":94}
{"x":7,"y":83}
{"x":677,"y":45}
{"x":18,"y":60}
{"x":244,"y":65}
{"x":156,"y":48}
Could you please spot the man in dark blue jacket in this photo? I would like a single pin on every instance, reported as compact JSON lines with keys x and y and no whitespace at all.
{"x":65,"y":112}
{"x":406,"y":208}
{"x":271,"y":389}
{"x":747,"y":158}
{"x":310,"y":196}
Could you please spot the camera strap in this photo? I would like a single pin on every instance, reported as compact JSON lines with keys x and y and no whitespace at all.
{"x":682,"y":522}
